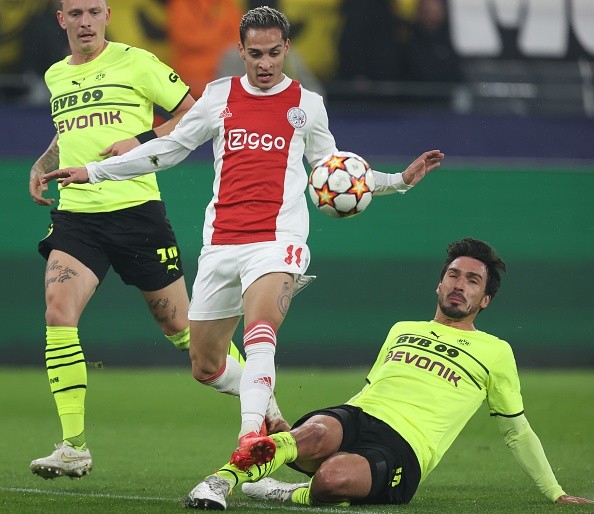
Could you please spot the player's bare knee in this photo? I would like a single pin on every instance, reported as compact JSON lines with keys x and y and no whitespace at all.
{"x":58,"y":316}
{"x":329,"y":484}
{"x":313,"y":441}
{"x":170,"y":327}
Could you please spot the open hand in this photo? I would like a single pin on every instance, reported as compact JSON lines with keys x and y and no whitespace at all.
{"x":425,"y":163}
{"x":68,"y":176}
{"x":567,"y":499}
{"x":37,"y":187}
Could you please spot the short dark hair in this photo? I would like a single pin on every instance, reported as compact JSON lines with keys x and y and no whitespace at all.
{"x":264,"y":18}
{"x":480,"y":251}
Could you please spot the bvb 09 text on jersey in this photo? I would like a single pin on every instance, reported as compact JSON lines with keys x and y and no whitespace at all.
{"x":76,"y":99}
{"x":79,"y":100}
{"x":429,"y":364}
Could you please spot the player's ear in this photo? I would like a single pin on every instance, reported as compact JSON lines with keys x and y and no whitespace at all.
{"x":241,"y":49}
{"x":485,"y":301}
{"x":287,"y":46}
{"x":107,"y":15}
{"x":60,"y":17}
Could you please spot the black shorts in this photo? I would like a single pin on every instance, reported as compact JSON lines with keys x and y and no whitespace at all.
{"x":395,"y":471}
{"x":138,"y":242}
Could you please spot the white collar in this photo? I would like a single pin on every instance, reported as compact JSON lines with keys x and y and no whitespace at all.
{"x":281,"y":86}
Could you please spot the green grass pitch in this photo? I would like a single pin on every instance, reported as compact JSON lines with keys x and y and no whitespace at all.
{"x":155,"y":433}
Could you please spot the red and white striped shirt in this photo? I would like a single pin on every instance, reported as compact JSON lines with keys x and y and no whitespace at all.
{"x":259,"y":141}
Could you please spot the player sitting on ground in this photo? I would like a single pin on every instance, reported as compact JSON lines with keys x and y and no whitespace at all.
{"x":428,"y":380}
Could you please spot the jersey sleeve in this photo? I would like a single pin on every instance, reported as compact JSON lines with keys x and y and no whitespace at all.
{"x":503,"y":392}
{"x":529,"y":454}
{"x":388,"y":183}
{"x":319,"y":142}
{"x":154,"y":155}
{"x":195,"y":128}
{"x":157,"y":81}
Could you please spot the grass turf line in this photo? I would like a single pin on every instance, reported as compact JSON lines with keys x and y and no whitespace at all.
{"x":155,"y":433}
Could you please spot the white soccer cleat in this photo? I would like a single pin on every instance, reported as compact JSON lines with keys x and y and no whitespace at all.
{"x":271,"y":489}
{"x":64,"y":461}
{"x":210,"y":494}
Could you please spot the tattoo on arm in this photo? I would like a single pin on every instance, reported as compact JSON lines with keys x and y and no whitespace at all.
{"x":50,"y":160}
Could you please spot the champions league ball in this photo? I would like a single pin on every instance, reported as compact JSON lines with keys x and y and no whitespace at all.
{"x":341,"y":185}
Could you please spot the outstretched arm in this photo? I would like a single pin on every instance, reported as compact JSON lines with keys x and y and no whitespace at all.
{"x":529,"y":454}
{"x":67,"y":176}
{"x":49,"y":161}
{"x":388,"y":183}
{"x":125,"y":145}
{"x":155,"y":155}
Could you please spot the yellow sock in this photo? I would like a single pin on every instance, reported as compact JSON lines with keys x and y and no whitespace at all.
{"x":286,"y":451}
{"x":181,"y":340}
{"x":234,"y":352}
{"x":302,"y":496}
{"x":67,"y":373}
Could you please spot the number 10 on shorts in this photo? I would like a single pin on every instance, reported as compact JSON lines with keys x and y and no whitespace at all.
{"x":167,"y":253}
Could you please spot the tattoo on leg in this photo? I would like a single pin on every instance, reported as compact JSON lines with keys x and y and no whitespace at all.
{"x":284,"y":300}
{"x":160,"y":319}
{"x":158,"y":305}
{"x":161,"y":303}
{"x":64,"y":273}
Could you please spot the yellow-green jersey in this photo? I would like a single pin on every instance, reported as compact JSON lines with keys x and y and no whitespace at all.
{"x":103,"y":101}
{"x":429,"y":379}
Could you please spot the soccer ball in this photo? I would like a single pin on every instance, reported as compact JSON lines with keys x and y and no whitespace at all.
{"x":341,"y":185}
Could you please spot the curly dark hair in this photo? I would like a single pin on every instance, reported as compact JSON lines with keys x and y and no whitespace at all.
{"x":480,"y":251}
{"x":264,"y":18}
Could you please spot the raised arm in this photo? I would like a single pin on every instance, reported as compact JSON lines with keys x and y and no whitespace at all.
{"x":529,"y":454}
{"x":49,"y":161}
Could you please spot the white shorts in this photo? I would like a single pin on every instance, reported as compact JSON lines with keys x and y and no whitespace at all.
{"x":226,"y":271}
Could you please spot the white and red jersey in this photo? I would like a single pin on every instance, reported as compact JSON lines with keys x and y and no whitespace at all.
{"x":259,"y":141}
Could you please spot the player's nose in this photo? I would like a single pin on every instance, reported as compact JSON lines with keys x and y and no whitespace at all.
{"x":265,"y":63}
{"x":85,"y":19}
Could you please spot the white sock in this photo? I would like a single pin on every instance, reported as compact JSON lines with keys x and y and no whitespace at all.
{"x":272,"y":410}
{"x":227,"y":379}
{"x":258,"y":377}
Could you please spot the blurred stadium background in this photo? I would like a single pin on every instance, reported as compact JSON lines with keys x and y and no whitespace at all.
{"x":504,"y":87}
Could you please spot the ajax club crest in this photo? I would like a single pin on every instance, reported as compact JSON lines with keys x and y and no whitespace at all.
{"x":296,"y":117}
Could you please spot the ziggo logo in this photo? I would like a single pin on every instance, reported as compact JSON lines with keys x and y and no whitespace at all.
{"x":238,"y":139}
